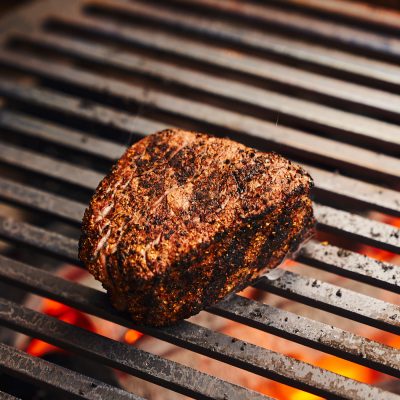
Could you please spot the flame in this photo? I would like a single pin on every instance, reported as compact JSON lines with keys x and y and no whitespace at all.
{"x":280,"y":391}
{"x":380,"y":254}
{"x":392,"y":221}
{"x":328,"y":362}
{"x":131,"y":336}
{"x":288,"y":263}
{"x":68,"y":314}
{"x":348,"y":369}
{"x":72,"y":316}
{"x":394,"y":341}
{"x":64,"y":313}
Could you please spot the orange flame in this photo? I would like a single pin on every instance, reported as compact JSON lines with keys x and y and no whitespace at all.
{"x":67,"y":314}
{"x":131,"y":336}
{"x":326,"y":361}
{"x":380,"y":254}
{"x":64,"y":313}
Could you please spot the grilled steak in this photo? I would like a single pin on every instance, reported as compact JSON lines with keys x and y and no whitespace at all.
{"x":184,"y":219}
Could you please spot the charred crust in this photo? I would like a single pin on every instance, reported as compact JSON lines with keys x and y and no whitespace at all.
{"x":183,"y":219}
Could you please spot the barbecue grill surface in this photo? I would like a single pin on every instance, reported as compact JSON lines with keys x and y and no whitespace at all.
{"x":314,"y":80}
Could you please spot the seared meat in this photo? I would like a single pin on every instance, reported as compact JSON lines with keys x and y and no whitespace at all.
{"x":184,"y":219}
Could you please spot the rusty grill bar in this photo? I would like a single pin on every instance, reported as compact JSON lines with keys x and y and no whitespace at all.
{"x":98,"y":74}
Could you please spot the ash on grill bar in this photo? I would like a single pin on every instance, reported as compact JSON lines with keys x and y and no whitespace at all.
{"x":317,"y":81}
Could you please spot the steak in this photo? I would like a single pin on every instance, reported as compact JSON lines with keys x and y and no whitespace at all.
{"x":184,"y":219}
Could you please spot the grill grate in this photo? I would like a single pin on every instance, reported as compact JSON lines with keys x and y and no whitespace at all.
{"x":90,"y":76}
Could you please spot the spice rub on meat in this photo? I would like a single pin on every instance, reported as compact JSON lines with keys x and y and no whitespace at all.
{"x":184,"y":219}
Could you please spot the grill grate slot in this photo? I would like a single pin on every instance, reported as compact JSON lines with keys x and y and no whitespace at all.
{"x":98,"y":75}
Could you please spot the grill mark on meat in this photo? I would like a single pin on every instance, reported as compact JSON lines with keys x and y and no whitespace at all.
{"x":102,"y":241}
{"x":103,"y":213}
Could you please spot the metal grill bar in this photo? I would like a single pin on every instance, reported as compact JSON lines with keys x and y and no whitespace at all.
{"x":155,"y":369}
{"x":44,"y":373}
{"x":302,"y":113}
{"x":356,"y":227}
{"x":48,"y":241}
{"x":72,"y":139}
{"x":351,"y":264}
{"x":335,"y":62}
{"x":370,"y":14}
{"x":272,"y":74}
{"x":302,"y":330}
{"x":36,"y":199}
{"x":28,"y":160}
{"x":298,"y":328}
{"x":69,"y":106}
{"x":336,"y":187}
{"x":6,"y":396}
{"x":278,"y":137}
{"x":335,"y":299}
{"x":291,"y":22}
{"x":225,"y":348}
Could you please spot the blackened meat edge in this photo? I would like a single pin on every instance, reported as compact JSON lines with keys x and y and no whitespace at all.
{"x":184,"y":219}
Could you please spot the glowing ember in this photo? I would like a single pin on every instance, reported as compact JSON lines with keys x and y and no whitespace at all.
{"x":67,"y":314}
{"x":64,"y":313}
{"x":331,"y":363}
{"x":288,"y":263}
{"x":380,"y":254}
{"x":131,"y":336}
{"x":348,"y":369}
